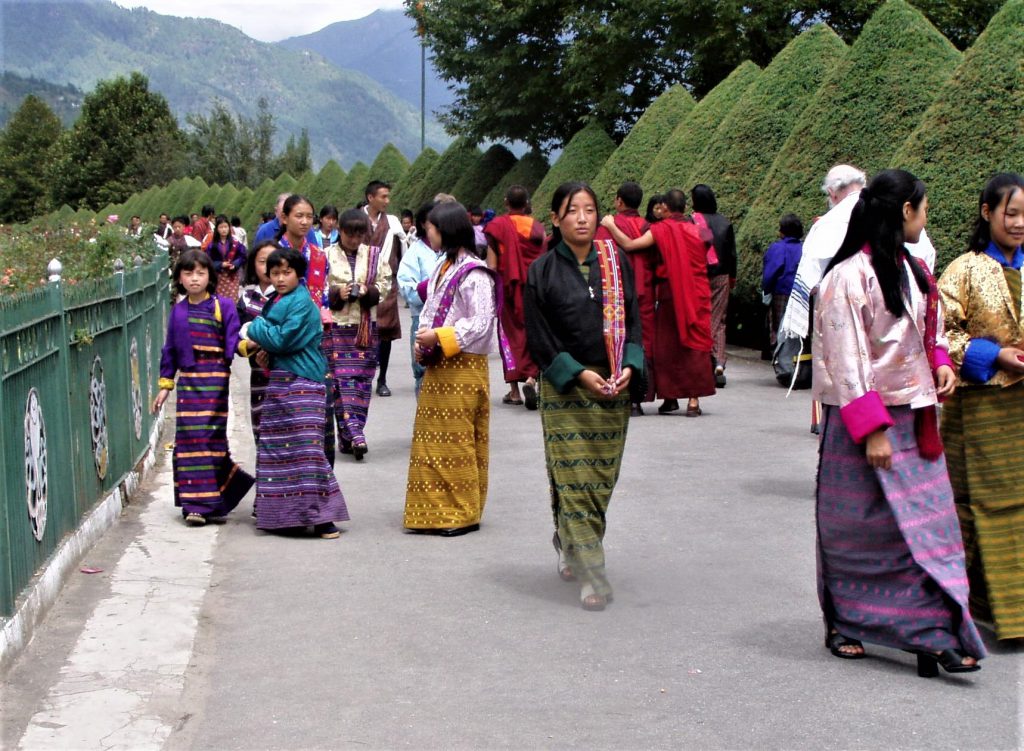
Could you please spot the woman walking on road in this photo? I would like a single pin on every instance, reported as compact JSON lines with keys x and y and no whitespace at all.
{"x":448,"y":464}
{"x":583,"y":330}
{"x":983,"y":424}
{"x":891,"y":561}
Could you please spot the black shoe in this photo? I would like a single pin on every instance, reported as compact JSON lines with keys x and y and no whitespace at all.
{"x":530,"y":396}
{"x":636,"y":411}
{"x":720,"y":378}
{"x":458,"y":531}
{"x":327,"y":531}
{"x":359,"y":450}
{"x":951,"y":660}
{"x":836,"y":641}
{"x":382,"y":389}
{"x":669,"y":405}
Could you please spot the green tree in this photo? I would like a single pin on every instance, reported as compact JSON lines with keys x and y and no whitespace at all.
{"x":528,"y":172}
{"x":26,"y":151}
{"x":583,"y":158}
{"x":456,"y":160}
{"x":477,"y":181}
{"x":294,"y":158}
{"x":745,"y":142}
{"x":974,"y":128}
{"x":645,"y":140}
{"x":694,"y":133}
{"x":125,"y":140}
{"x":355,"y":186}
{"x":407,"y":190}
{"x":328,"y":185}
{"x":872,"y":100}
{"x":389,"y":166}
{"x":606,"y":60}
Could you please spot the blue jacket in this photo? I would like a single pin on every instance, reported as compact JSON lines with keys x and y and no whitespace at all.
{"x":290,"y":330}
{"x":780,"y":262}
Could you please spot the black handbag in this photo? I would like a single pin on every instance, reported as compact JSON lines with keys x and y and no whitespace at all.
{"x":792,"y":362}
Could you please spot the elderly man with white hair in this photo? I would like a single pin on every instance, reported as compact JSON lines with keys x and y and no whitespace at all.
{"x":842,"y":185}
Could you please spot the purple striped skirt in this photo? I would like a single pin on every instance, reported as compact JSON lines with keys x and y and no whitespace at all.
{"x":352,"y":369}
{"x":890,"y":558}
{"x":295,"y":485}
{"x":207,"y":480}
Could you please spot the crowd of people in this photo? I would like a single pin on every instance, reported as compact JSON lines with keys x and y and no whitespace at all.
{"x":919,"y":510}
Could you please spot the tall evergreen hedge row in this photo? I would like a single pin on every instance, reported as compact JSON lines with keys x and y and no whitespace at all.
{"x":861,"y":115}
{"x":974,"y":128}
{"x":327,"y":187}
{"x":390,"y":165}
{"x":633,"y":157}
{"x":477,"y":181}
{"x":749,"y":137}
{"x":528,"y":172}
{"x":457,"y":160}
{"x":582,"y":159}
{"x":692,"y":136}
{"x":406,"y":191}
{"x":354,"y":189}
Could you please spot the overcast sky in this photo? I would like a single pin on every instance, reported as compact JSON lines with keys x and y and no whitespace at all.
{"x":268,"y":20}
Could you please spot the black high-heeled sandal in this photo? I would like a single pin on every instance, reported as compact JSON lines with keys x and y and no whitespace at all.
{"x":836,"y":641}
{"x":951,"y":660}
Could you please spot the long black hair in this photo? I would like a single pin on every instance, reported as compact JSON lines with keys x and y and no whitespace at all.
{"x":290,"y":203}
{"x":877,"y":221}
{"x":998,"y":191}
{"x":452,"y":223}
{"x":564,"y":193}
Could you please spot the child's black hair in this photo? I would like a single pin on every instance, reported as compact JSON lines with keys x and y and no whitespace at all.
{"x":289,"y":257}
{"x":250,"y":261}
{"x":791,"y":226}
{"x":998,"y":191}
{"x":354,"y":222}
{"x":187,"y":261}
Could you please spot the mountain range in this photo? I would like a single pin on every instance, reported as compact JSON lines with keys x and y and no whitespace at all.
{"x":384,"y":46}
{"x":193,"y":62}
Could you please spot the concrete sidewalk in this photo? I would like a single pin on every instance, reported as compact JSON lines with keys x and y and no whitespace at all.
{"x":387,"y":640}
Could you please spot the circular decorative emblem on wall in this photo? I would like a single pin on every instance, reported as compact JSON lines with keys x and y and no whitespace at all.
{"x":136,"y":389}
{"x":35,"y":464}
{"x":98,"y":418}
{"x":149,"y":364}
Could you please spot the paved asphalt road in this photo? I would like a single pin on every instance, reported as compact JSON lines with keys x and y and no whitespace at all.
{"x":386,"y":640}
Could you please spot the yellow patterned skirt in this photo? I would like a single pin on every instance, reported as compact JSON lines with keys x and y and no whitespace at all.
{"x":983,"y":429}
{"x":447,"y":485}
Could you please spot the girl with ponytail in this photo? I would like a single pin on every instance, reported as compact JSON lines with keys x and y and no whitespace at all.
{"x":880,"y":367}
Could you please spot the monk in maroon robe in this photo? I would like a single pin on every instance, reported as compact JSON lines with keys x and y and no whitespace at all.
{"x":627,"y":218}
{"x":682,"y":332}
{"x":514,"y":240}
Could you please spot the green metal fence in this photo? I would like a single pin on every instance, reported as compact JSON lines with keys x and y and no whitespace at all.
{"x":78,"y":370}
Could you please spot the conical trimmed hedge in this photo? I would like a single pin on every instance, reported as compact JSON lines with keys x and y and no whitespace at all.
{"x":305,"y":182}
{"x":457,"y":160}
{"x":355,"y":187}
{"x":974,"y":128}
{"x":582,"y":159}
{"x":746,"y":142}
{"x":328,"y":186}
{"x":389,"y":166}
{"x":528,"y":172}
{"x":691,"y":137}
{"x":638,"y":150}
{"x":861,"y":115}
{"x":477,"y":182}
{"x":406,"y":191}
